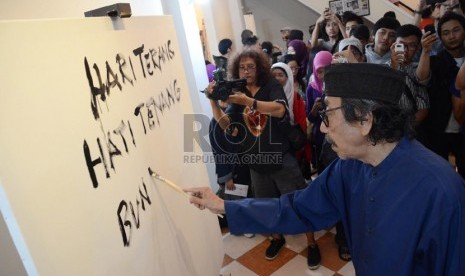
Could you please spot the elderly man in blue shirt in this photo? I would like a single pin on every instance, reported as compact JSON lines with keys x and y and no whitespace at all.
{"x":403,"y":207}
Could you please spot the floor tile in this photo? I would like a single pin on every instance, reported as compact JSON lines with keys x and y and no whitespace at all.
{"x":329,"y":252}
{"x":298,"y":266}
{"x":227,"y":260}
{"x":236,"y":269}
{"x":246,"y":256}
{"x":347,"y":270}
{"x":236,"y":246}
{"x":320,"y":234}
{"x":296,"y":243}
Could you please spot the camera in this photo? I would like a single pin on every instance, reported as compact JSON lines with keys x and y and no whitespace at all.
{"x":224,"y":88}
{"x":399,"y":47}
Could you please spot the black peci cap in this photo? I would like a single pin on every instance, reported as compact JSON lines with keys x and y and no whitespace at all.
{"x":364,"y":81}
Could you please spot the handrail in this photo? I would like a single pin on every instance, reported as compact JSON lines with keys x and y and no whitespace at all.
{"x":406,"y":6}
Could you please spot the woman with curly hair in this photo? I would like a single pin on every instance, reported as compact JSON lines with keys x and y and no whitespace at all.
{"x":252,"y":123}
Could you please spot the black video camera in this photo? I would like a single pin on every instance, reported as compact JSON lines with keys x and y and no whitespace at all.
{"x":224,"y":88}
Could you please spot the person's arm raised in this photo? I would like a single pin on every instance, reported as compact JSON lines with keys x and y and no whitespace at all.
{"x":423,"y":69}
{"x":341,"y":26}
{"x":316,"y":30}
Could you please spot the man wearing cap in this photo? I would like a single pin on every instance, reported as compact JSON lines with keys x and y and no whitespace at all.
{"x":384,"y":32}
{"x":402,"y":206}
{"x":351,"y":50}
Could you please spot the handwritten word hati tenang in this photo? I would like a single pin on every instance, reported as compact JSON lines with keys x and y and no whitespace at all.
{"x":143,"y":64}
{"x":149,"y":110}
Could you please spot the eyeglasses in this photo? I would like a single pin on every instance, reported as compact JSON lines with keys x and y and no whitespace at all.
{"x":248,"y":67}
{"x":323,"y":115}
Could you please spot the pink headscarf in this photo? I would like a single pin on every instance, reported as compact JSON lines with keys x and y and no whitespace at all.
{"x":322,"y":59}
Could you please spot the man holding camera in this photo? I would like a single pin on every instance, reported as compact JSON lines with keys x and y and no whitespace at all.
{"x":384,"y":32}
{"x":407,"y":45}
{"x":252,"y":121}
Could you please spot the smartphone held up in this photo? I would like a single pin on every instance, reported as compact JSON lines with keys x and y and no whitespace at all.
{"x":399,"y":48}
{"x":430,"y":28}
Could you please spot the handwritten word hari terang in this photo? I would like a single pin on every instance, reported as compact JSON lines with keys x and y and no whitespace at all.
{"x":119,"y":140}
{"x":150,"y":59}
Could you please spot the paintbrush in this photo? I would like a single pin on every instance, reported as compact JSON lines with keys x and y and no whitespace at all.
{"x":166,"y":181}
{"x":171,"y":184}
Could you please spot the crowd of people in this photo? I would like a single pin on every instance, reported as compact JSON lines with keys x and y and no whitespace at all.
{"x":382,"y":114}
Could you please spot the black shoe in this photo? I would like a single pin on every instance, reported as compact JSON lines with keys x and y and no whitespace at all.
{"x":313,"y":257}
{"x":273,"y":250}
{"x":344,"y":253}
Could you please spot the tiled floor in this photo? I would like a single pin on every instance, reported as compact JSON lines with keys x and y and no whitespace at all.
{"x":246,"y":256}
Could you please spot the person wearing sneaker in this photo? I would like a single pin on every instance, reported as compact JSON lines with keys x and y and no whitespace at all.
{"x":255,"y":117}
{"x":313,"y":257}
{"x":402,"y":205}
{"x":283,"y":73}
{"x":276,"y":243}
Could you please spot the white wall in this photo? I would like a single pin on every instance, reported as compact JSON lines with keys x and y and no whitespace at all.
{"x":216,"y":17}
{"x":223,"y":19}
{"x":37,"y":9}
{"x":272,"y":15}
